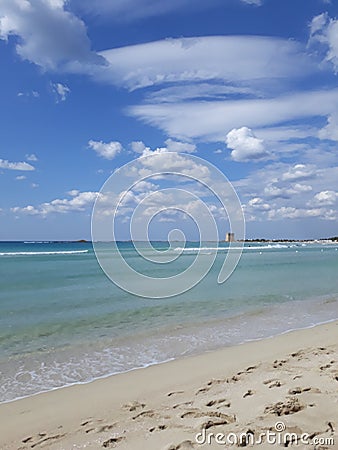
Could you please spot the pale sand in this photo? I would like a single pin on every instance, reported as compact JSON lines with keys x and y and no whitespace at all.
{"x":291,"y":378}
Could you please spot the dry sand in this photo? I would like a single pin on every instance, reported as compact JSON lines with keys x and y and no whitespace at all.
{"x":290,"y":380}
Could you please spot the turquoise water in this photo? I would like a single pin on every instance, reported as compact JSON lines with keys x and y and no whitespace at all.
{"x":63,"y":322}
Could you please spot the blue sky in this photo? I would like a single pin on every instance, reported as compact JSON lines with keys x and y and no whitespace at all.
{"x":249,"y":85}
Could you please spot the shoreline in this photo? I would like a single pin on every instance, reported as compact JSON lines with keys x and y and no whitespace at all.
{"x":179,"y":358}
{"x":101,"y":400}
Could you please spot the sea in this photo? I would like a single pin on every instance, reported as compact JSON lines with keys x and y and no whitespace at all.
{"x":63,"y":322}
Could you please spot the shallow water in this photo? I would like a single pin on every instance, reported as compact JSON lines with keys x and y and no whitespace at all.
{"x":62,"y":321}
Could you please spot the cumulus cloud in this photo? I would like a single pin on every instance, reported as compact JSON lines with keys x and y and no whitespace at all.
{"x":302,"y":213}
{"x":299,"y":172}
{"x":78,"y":202}
{"x":20,"y":177}
{"x":324,"y":198}
{"x":324,"y":31}
{"x":170,"y":146}
{"x":49,"y":35}
{"x":138,"y":146}
{"x":107,"y":150}
{"x":4,"y":164}
{"x":180,"y":147}
{"x":258,"y":203}
{"x":289,"y":212}
{"x":61,"y":91}
{"x":245,"y":145}
{"x":174,"y":162}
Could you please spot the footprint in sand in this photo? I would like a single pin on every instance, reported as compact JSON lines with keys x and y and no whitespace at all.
{"x":149,"y":413}
{"x":233,"y":379}
{"x":195,"y":414}
{"x":95,"y":426}
{"x":248,"y":370}
{"x":159,"y":428}
{"x":174,"y":393}
{"x":90,"y":421}
{"x":134,"y":406}
{"x":221,"y":402}
{"x":178,"y":405}
{"x":216,"y":423}
{"x":248,"y":393}
{"x":112,"y":442}
{"x":41,"y":439}
{"x":290,"y":406}
{"x":101,"y":429}
{"x":210,"y":385}
{"x":279,"y":363}
{"x":299,"y":390}
{"x":273,"y":382}
{"x":296,"y":377}
{"x":185,"y":445}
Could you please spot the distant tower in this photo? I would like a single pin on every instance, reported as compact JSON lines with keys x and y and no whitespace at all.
{"x":230,"y":237}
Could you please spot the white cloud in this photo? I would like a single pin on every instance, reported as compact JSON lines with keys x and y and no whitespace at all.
{"x":295,"y":213}
{"x":324,"y":30}
{"x":138,"y":146}
{"x":31,"y":157}
{"x":173,"y":162}
{"x":301,"y":188}
{"x":107,"y":150}
{"x":245,"y":145}
{"x":324,"y":198}
{"x":34,"y":94}
{"x":4,"y":164}
{"x":50,"y":36}
{"x":258,"y":203}
{"x":20,"y":177}
{"x":180,"y":147}
{"x":253,"y":2}
{"x":211,"y":121}
{"x":299,"y":172}
{"x":171,"y":146}
{"x":130,"y":10}
{"x":281,"y":192}
{"x":61,"y":91}
{"x":79,"y":202}
{"x":330,"y":131}
{"x":203,"y":59}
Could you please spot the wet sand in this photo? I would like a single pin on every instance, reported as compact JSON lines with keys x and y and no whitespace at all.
{"x":232,"y":397}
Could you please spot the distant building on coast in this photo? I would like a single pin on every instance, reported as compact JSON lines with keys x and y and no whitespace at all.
{"x":230,"y":237}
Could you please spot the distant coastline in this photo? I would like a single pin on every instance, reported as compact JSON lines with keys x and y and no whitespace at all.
{"x":253,"y":240}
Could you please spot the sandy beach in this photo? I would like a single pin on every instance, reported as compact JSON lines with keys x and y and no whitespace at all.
{"x":283,"y":388}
